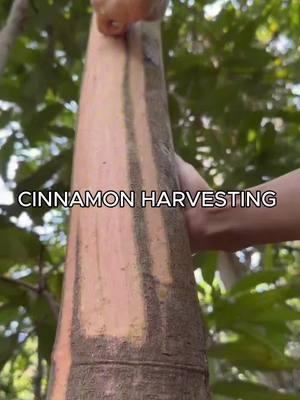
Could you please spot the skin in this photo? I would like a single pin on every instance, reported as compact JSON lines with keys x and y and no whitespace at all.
{"x":235,"y":228}
{"x":115,"y":16}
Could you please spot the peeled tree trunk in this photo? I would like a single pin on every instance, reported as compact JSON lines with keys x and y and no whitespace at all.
{"x":130,"y":326}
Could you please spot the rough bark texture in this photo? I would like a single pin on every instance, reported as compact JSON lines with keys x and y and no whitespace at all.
{"x":130,"y":324}
{"x":11,"y":30}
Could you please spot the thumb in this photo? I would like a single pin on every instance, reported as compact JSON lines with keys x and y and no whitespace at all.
{"x":190,"y":179}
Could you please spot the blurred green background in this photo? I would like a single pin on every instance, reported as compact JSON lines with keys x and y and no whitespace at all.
{"x":233,"y":76}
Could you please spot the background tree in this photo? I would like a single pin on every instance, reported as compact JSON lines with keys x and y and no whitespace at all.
{"x":233,"y":73}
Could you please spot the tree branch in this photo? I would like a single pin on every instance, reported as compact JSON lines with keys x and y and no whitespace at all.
{"x":11,"y":30}
{"x":54,"y":307}
{"x":20,"y":283}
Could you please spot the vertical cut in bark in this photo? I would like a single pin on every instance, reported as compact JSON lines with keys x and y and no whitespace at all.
{"x":130,"y":326}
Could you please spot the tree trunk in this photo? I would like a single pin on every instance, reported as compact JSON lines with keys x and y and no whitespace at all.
{"x":11,"y":30}
{"x":130,"y":325}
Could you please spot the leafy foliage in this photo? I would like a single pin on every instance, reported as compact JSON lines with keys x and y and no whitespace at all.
{"x":233,"y":75}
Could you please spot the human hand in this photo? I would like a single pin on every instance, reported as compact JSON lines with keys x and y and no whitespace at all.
{"x":196,"y":218}
{"x":115,"y":16}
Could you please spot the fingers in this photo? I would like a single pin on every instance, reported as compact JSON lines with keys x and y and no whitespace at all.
{"x":190,"y":180}
{"x":114,"y":16}
{"x":109,"y":27}
{"x":106,"y":24}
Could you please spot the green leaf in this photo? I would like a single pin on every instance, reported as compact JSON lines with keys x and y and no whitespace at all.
{"x":249,"y":391}
{"x":8,"y":346}
{"x":63,"y":131}
{"x":55,"y":283}
{"x":252,"y":355}
{"x":208,"y":263}
{"x":17,"y":246}
{"x":13,"y":294}
{"x":252,"y":280}
{"x":274,"y":336}
{"x":8,"y":312}
{"x":230,"y":310}
{"x":279,"y":312}
{"x":37,"y":179}
{"x":45,"y":324}
{"x":37,"y":123}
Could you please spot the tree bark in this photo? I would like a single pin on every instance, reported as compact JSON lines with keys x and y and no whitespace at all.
{"x":11,"y":30}
{"x":130,"y":326}
{"x":230,"y":268}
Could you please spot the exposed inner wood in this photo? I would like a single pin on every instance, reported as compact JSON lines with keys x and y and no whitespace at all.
{"x":130,"y":323}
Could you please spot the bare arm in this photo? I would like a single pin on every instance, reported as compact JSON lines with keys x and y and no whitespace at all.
{"x":278,"y":224}
{"x":236,"y":228}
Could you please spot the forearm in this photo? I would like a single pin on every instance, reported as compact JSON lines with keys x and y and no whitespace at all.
{"x":236,"y":228}
{"x":282,"y":222}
